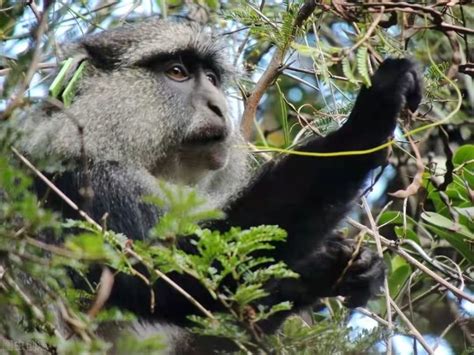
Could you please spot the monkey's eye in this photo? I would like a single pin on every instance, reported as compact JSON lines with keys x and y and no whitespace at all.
{"x":177,"y":72}
{"x":212,"y":78}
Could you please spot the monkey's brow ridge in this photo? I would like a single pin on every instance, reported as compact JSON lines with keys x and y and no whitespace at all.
{"x":189,"y":55}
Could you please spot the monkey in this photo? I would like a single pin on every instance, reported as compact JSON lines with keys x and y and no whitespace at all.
{"x":152,"y":105}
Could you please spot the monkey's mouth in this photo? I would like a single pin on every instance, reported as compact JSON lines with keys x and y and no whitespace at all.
{"x":205,"y":148}
{"x":207,"y":135}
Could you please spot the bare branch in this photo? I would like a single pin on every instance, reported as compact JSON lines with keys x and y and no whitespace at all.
{"x":272,"y":71}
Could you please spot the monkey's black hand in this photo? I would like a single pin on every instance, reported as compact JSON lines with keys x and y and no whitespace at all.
{"x":336,"y":268}
{"x":399,"y":78}
{"x":361,"y":278}
{"x":395,"y":85}
{"x":339,"y":269}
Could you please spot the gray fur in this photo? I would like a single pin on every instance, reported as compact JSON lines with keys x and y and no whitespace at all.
{"x":131,"y":117}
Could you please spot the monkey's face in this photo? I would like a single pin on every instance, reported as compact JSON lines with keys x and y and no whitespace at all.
{"x":152,"y":97}
{"x":169,"y":82}
{"x":195,"y":84}
{"x":191,"y":107}
{"x":176,"y":122}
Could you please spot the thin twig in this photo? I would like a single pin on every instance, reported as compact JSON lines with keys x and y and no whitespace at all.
{"x":378,"y":243}
{"x":373,"y":315}
{"x":317,"y":72}
{"x":396,"y":249}
{"x":20,"y":92}
{"x":369,"y":32}
{"x":39,"y":66}
{"x":35,"y":10}
{"x":172,"y":283}
{"x":412,"y":328}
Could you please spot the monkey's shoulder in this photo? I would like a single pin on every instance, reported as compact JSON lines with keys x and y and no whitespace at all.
{"x":108,"y":192}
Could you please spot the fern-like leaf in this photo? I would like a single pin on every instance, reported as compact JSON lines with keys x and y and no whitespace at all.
{"x":347,"y":70}
{"x":362,"y":57}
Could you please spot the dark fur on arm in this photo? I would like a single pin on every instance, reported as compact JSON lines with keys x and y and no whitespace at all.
{"x":308,"y":196}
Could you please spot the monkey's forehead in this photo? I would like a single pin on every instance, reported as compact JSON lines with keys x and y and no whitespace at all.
{"x":131,"y":44}
{"x":164,"y":36}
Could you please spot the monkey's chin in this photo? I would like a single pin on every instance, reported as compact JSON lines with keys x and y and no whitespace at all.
{"x":208,"y":157}
{"x":217,"y":160}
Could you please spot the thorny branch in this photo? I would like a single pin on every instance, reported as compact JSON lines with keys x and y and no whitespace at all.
{"x":351,"y":10}
{"x":272,"y":71}
{"x":378,"y":243}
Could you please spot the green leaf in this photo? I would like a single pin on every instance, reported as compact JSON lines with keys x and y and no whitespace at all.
{"x":362,"y":58}
{"x":456,"y":240}
{"x":347,"y":70}
{"x":406,"y":233}
{"x":71,"y":88}
{"x":464,"y":154}
{"x":279,"y":307}
{"x":58,"y":84}
{"x":398,"y":278}
{"x":305,"y":50}
{"x":213,"y":4}
{"x":90,"y":246}
{"x":395,"y":217}
{"x":443,"y":222}
{"x":130,"y":344}
{"x":246,"y":294}
{"x":278,"y":271}
{"x":184,"y":210}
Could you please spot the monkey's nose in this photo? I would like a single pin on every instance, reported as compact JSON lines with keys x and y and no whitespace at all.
{"x":216,"y":109}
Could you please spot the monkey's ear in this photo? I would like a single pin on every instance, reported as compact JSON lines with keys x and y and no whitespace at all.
{"x":106,"y":49}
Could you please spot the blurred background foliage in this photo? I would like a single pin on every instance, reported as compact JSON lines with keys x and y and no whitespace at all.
{"x":303,"y":63}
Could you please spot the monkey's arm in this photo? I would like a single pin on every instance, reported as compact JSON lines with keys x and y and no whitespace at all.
{"x":308,"y":196}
